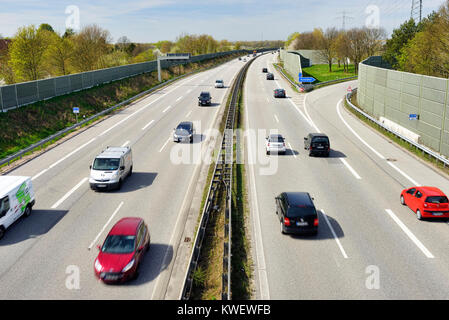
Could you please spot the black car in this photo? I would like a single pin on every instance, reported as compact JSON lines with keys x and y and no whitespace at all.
{"x":270,"y":76}
{"x":184,"y":132}
{"x":317,"y":143}
{"x":264,"y":70}
{"x":204,"y":99}
{"x":297,"y":213}
{"x":279,"y":93}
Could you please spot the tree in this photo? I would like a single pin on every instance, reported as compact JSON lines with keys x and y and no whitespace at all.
{"x":68,"y":33}
{"x":290,"y":39}
{"x":147,"y":55}
{"x":90,"y":45}
{"x":58,"y":55}
{"x":46,"y":26}
{"x":356,"y":46}
{"x":374,"y":39}
{"x":399,"y":39}
{"x":326,"y":42}
{"x":342,"y":49}
{"x":26,"y":53}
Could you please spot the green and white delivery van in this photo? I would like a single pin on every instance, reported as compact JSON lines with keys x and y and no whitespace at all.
{"x":16,"y":199}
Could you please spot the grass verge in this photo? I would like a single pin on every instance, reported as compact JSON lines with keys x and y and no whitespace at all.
{"x":398,"y":141}
{"x":321,"y":72}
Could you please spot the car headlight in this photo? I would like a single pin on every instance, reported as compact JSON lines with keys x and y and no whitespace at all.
{"x":98,"y":266}
{"x":128,"y":266}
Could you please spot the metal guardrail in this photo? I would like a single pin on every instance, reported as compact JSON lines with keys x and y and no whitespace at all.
{"x":21,"y":153}
{"x":222,"y":177}
{"x":424,"y":149}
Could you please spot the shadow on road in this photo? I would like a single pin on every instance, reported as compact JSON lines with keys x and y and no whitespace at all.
{"x":38,"y":223}
{"x":324,"y":233}
{"x":137,"y":181}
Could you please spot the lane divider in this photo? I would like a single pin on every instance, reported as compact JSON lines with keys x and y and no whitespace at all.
{"x":104,"y":227}
{"x":343,"y":252}
{"x":68,"y":194}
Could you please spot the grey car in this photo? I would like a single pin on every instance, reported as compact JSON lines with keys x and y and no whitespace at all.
{"x":184,"y":132}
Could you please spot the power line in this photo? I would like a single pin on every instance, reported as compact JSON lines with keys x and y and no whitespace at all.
{"x":344,"y":17}
{"x":416,"y":10}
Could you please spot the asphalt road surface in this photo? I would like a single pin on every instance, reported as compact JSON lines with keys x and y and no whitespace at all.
{"x":41,"y":255}
{"x":368,"y":246}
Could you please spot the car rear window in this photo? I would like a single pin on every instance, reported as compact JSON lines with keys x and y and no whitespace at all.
{"x":276,"y":139}
{"x":300,"y":211}
{"x":320,"y":140}
{"x":437,"y":199}
{"x":205,"y":95}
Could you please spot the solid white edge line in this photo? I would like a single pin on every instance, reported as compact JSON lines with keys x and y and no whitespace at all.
{"x":263,"y":278}
{"x":404,"y":174}
{"x":39,"y":174}
{"x":307,"y":113}
{"x":165,"y":144}
{"x":410,"y":234}
{"x":343,"y":252}
{"x":68,"y":194}
{"x":104,"y":227}
{"x":293,"y":152}
{"x":149,"y":123}
{"x":354,"y":173}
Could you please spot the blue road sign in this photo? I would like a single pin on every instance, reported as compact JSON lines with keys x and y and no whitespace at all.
{"x":305,"y":79}
{"x":413,"y":116}
{"x":76,"y":110}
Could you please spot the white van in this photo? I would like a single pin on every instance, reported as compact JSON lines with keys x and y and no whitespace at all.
{"x":110,"y":168}
{"x":16,"y":199}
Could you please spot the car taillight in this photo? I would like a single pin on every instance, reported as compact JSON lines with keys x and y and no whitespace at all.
{"x":315,"y":222}
{"x":310,"y":148}
{"x":286,"y":222}
{"x":268,"y":144}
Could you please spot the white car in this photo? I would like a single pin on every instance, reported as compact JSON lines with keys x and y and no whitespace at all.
{"x":275,"y":143}
{"x":16,"y":199}
{"x":219,"y":84}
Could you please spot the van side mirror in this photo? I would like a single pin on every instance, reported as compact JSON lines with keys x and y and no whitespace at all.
{"x":90,"y":167}
{"x":122,"y":168}
{"x":305,"y":138}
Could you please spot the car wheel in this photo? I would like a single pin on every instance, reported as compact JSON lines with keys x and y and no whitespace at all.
{"x":148,"y":246}
{"x":2,"y":231}
{"x":282,"y":228}
{"x":130,"y":171}
{"x":119,"y":184}
{"x":402,"y":200}
{"x":191,"y":139}
{"x":418,"y":214}
{"x":27,"y":212}
{"x":268,"y":153}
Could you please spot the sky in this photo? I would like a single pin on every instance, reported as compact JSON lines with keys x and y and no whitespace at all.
{"x":154,"y":20}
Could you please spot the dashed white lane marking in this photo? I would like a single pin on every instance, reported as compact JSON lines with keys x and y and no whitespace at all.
{"x":343,"y":252}
{"x":291,"y":149}
{"x":165,"y":144}
{"x":179,"y":99}
{"x":148,"y":124}
{"x":188,"y":113}
{"x":68,"y":194}
{"x":71,"y":153}
{"x":125,"y":144}
{"x":166,"y":109}
{"x":354,"y":173}
{"x":277,"y":120}
{"x":104,"y":227}
{"x":410,"y":234}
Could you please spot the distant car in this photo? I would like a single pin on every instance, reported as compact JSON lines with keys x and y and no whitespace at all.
{"x":204,"y":99}
{"x":270,"y":76}
{"x":244,"y":59}
{"x":275,"y":143}
{"x":296,"y":213}
{"x":219,"y":84}
{"x":240,"y":58}
{"x":184,"y":132}
{"x":317,"y":143}
{"x":279,"y":93}
{"x":122,"y":251}
{"x":264,"y":70}
{"x":427,"y":202}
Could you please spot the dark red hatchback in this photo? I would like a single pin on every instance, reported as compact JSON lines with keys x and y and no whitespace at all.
{"x":122,"y":251}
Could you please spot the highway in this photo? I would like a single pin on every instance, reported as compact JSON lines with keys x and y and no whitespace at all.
{"x":40,"y":254}
{"x":368,"y":246}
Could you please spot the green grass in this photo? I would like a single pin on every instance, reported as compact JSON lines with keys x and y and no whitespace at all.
{"x":322,"y":74}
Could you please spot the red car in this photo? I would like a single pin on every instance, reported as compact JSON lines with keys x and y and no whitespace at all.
{"x":427,"y":202}
{"x":122,"y":251}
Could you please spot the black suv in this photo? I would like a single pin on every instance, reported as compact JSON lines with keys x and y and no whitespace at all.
{"x":279,"y":93}
{"x":264,"y":70}
{"x":270,"y":76}
{"x":204,"y":99}
{"x":317,"y":143}
{"x":297,"y":213}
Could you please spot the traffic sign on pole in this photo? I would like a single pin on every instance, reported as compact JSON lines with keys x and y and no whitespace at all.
{"x":305,"y":79}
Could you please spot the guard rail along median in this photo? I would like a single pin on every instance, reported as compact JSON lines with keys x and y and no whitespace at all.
{"x":424,"y":149}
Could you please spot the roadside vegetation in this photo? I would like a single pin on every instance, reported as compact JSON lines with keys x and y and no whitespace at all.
{"x":321,"y":72}
{"x":20,"y":128}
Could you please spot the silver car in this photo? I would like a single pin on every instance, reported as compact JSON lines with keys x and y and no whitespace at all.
{"x":184,"y":132}
{"x":275,"y":143}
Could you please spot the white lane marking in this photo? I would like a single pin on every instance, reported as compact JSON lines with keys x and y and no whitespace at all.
{"x":414,"y":182}
{"x":190,"y":90}
{"x":307,"y":113}
{"x":188,"y":113}
{"x":165,"y":110}
{"x":71,"y":153}
{"x":165,"y":144}
{"x":68,"y":194}
{"x":39,"y":174}
{"x":343,"y":252}
{"x":277,"y":120}
{"x":125,"y":144}
{"x":354,"y":173}
{"x":179,"y":98}
{"x":261,"y":266}
{"x":268,"y":100}
{"x":410,"y":234}
{"x":104,"y":227}
{"x":291,"y":149}
{"x":148,"y":124}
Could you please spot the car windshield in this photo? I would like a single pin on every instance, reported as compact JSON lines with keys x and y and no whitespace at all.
{"x":437,"y":199}
{"x":118,"y":244}
{"x":300,"y":211}
{"x":320,"y":140}
{"x":106,"y":164}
